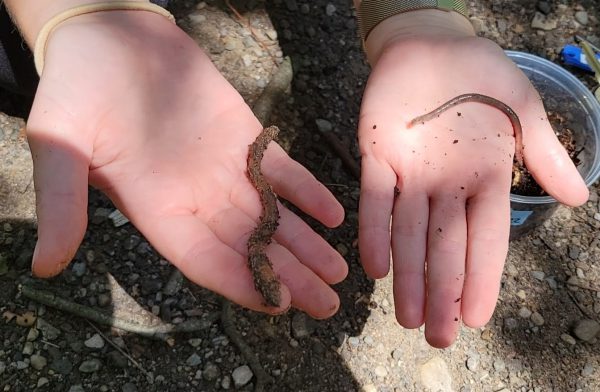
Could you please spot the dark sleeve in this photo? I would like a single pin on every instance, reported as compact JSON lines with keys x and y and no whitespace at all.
{"x":17,"y":71}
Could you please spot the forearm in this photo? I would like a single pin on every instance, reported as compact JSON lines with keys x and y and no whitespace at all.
{"x":30,"y":15}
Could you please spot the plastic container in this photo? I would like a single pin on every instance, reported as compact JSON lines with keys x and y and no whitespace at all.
{"x":557,"y":86}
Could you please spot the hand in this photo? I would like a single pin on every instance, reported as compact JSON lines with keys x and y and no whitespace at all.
{"x":128,"y":101}
{"x":450,"y":214}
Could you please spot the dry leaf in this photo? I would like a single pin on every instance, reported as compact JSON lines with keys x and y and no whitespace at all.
{"x":26,"y":319}
{"x":8,"y":316}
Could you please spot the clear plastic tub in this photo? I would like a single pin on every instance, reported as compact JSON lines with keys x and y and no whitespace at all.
{"x":557,"y":86}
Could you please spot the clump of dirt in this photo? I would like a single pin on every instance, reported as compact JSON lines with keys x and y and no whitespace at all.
{"x":523,"y":182}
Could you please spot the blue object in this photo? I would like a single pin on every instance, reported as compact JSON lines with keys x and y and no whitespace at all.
{"x":573,"y":55}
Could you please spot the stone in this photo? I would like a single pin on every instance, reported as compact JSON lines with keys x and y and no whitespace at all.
{"x":76,"y":388}
{"x":435,"y":376}
{"x":330,"y":9}
{"x":537,"y":319}
{"x":586,"y":330}
{"x":62,"y":366}
{"x":38,"y":362}
{"x":95,"y":342}
{"x":78,"y":269}
{"x":90,"y":366}
{"x":472,"y":363}
{"x":27,"y":348}
{"x":541,"y":22}
{"x":241,"y":376}
{"x":582,"y":17}
{"x":570,"y":340}
{"x":210,"y":372}
{"x":544,"y":7}
{"x":193,"y":360}
{"x":42,"y":381}
{"x":524,"y":313}
{"x":301,"y":327}
{"x":588,"y":369}
{"x":48,"y":331}
{"x":174,"y":284}
{"x":538,"y":275}
{"x":381,"y":371}
{"x":323,"y":125}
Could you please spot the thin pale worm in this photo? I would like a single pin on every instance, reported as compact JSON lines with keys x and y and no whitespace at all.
{"x":473,"y":97}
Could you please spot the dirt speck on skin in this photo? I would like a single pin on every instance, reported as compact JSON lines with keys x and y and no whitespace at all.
{"x":551,"y":273}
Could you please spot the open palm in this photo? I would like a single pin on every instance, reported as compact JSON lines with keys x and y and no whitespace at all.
{"x":445,"y":183}
{"x":130,"y":103}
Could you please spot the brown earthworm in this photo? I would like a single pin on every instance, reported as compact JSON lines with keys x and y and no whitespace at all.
{"x":473,"y":97}
{"x":265,"y":280}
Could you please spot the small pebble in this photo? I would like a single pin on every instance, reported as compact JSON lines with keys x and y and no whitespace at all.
{"x":582,"y":17}
{"x":27,"y":348}
{"x":524,"y":313}
{"x":570,"y":340}
{"x":369,"y":388}
{"x":381,"y":371}
{"x":38,"y":362}
{"x":537,"y":319}
{"x":330,"y":9}
{"x":96,"y":342}
{"x":42,"y":381}
{"x":90,"y":366}
{"x":210,"y":372}
{"x":586,"y":330}
{"x":499,"y":365}
{"x":193,"y":360}
{"x":510,"y":323}
{"x":241,"y":376}
{"x":538,"y":275}
{"x":588,"y":369}
{"x":472,"y":363}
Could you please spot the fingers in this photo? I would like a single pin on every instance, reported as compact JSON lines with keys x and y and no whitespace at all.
{"x":295,"y":183}
{"x":409,"y":242}
{"x":548,"y":161}
{"x":217,"y":260}
{"x":308,"y":291}
{"x":297,"y":236}
{"x":446,"y":253}
{"x":199,"y":254}
{"x":61,"y":179}
{"x":488,"y":216}
{"x":310,"y":248}
{"x":375,"y":208}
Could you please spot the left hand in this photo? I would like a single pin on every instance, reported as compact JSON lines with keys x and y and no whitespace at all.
{"x":452,"y":175}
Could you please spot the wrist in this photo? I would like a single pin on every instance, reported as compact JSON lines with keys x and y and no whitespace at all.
{"x":413,"y":26}
{"x":31,"y":15}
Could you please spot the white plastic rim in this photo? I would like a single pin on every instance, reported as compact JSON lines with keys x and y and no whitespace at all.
{"x":566,"y":81}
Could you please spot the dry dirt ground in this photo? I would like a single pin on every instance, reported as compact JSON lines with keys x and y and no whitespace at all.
{"x":542,"y":336}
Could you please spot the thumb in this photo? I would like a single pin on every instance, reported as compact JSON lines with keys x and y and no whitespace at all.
{"x":60,"y":177}
{"x":549,"y":162}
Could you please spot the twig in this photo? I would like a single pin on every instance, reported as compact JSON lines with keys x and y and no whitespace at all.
{"x":50,"y":344}
{"x":8,"y":380}
{"x":343,"y":153}
{"x":262,"y":377}
{"x":119,"y":349}
{"x":581,"y":308}
{"x":157,"y":331}
{"x":244,"y":22}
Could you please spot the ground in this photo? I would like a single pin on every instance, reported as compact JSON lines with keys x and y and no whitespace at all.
{"x":543,"y":333}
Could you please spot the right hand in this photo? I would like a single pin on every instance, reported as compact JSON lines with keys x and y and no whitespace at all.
{"x":129,"y":102}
